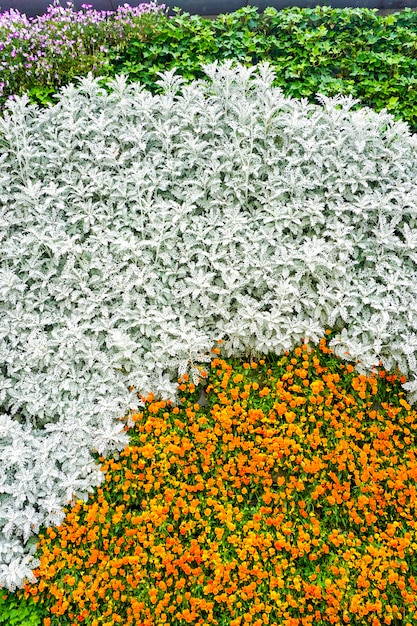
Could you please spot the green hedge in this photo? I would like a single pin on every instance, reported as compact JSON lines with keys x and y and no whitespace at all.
{"x":325,"y":50}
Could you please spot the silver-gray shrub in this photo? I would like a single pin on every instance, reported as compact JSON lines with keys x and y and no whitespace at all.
{"x":136,"y":230}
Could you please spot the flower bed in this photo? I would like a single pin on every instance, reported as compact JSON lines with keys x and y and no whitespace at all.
{"x":39,"y":55}
{"x":290,"y":500}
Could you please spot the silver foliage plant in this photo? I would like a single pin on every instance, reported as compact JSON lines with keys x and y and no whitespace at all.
{"x":136,"y":230}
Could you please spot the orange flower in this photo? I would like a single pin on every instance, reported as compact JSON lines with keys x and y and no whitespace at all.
{"x":225,"y":510}
{"x":317,"y":386}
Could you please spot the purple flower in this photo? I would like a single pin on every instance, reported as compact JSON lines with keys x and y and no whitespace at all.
{"x":41,"y":48}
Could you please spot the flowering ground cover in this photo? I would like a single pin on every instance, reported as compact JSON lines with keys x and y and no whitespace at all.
{"x":40,"y":54}
{"x":289,"y":500}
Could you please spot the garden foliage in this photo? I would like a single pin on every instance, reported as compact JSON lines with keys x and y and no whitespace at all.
{"x":320,"y":50}
{"x":16,"y":611}
{"x":138,"y":229}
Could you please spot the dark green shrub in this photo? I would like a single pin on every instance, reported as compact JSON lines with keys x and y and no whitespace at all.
{"x":349,"y":51}
{"x":184,"y":41}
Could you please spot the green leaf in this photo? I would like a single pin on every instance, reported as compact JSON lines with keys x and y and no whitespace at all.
{"x":392,"y":102}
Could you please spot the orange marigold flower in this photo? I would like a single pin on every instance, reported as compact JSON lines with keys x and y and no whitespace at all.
{"x":212,"y":510}
{"x":317,"y":386}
